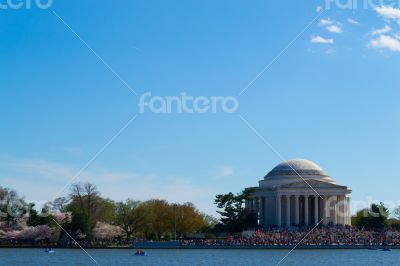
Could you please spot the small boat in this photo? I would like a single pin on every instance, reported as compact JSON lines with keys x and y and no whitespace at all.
{"x":386,"y":249}
{"x":140,"y":252}
{"x":49,"y":250}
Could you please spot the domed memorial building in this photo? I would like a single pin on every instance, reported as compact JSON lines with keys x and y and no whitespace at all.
{"x":299,"y":192}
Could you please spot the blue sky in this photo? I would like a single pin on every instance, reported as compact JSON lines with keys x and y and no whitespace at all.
{"x":332,"y":97}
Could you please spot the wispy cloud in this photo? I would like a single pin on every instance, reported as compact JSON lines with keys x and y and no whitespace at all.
{"x":34,"y":168}
{"x":322,"y":40}
{"x":39,"y":180}
{"x":383,"y":30}
{"x":325,"y":22}
{"x":55,"y":173}
{"x":353,"y":21}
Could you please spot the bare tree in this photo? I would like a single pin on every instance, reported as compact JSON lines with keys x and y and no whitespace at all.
{"x":91,"y":194}
{"x":57,"y":205}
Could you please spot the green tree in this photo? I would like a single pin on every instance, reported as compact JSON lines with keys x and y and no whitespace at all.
{"x":375,"y":217}
{"x":394,"y":224}
{"x":88,"y":208}
{"x":210,"y":222}
{"x":130,"y":216}
{"x":79,"y":225}
{"x":234,"y":217}
{"x":12,"y":207}
{"x":35,"y":219}
{"x":160,"y":215}
{"x":188,"y":219}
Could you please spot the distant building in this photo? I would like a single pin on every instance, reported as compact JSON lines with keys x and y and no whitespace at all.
{"x":299,"y":192}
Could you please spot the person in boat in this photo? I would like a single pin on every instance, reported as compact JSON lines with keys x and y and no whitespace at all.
{"x":140,"y":252}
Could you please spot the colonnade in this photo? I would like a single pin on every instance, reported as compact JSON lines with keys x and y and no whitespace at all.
{"x":297,"y":209}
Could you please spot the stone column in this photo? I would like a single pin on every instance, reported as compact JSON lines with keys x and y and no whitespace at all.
{"x":297,"y":210}
{"x":265,"y":212}
{"x":348,"y":211}
{"x":324,"y":210}
{"x":262,"y":205}
{"x":344,"y":210}
{"x":316,"y":210}
{"x":257,"y":209}
{"x":335,"y":210}
{"x":306,"y":222}
{"x":278,"y":210}
{"x":288,"y":210}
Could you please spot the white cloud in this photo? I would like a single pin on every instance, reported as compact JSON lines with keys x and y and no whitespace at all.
{"x":225,"y":170}
{"x":321,"y":40}
{"x":353,"y":21}
{"x":330,"y":25}
{"x":384,"y":38}
{"x":325,"y":22}
{"x":389,"y":12}
{"x":385,"y":29}
{"x":318,"y":9}
{"x":334,"y":29}
{"x":386,"y":42}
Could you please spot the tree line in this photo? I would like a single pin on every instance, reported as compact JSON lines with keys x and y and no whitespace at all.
{"x":87,"y":216}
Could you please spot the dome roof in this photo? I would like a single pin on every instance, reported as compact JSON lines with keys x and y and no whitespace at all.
{"x":295,"y":170}
{"x":295,"y":167}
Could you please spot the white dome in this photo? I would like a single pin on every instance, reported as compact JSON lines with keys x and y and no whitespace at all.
{"x":295,"y":170}
{"x":296,"y":165}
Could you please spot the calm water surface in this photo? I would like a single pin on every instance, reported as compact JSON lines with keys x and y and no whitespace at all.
{"x":63,"y":257}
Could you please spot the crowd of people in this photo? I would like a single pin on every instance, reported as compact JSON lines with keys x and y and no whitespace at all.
{"x":334,"y":235}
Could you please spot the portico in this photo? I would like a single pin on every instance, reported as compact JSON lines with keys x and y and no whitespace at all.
{"x":299,"y":192}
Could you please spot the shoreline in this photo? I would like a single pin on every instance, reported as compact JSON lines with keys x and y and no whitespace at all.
{"x":164,"y":247}
{"x":332,"y":247}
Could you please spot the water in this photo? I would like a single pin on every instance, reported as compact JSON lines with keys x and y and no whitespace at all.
{"x":36,"y":257}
